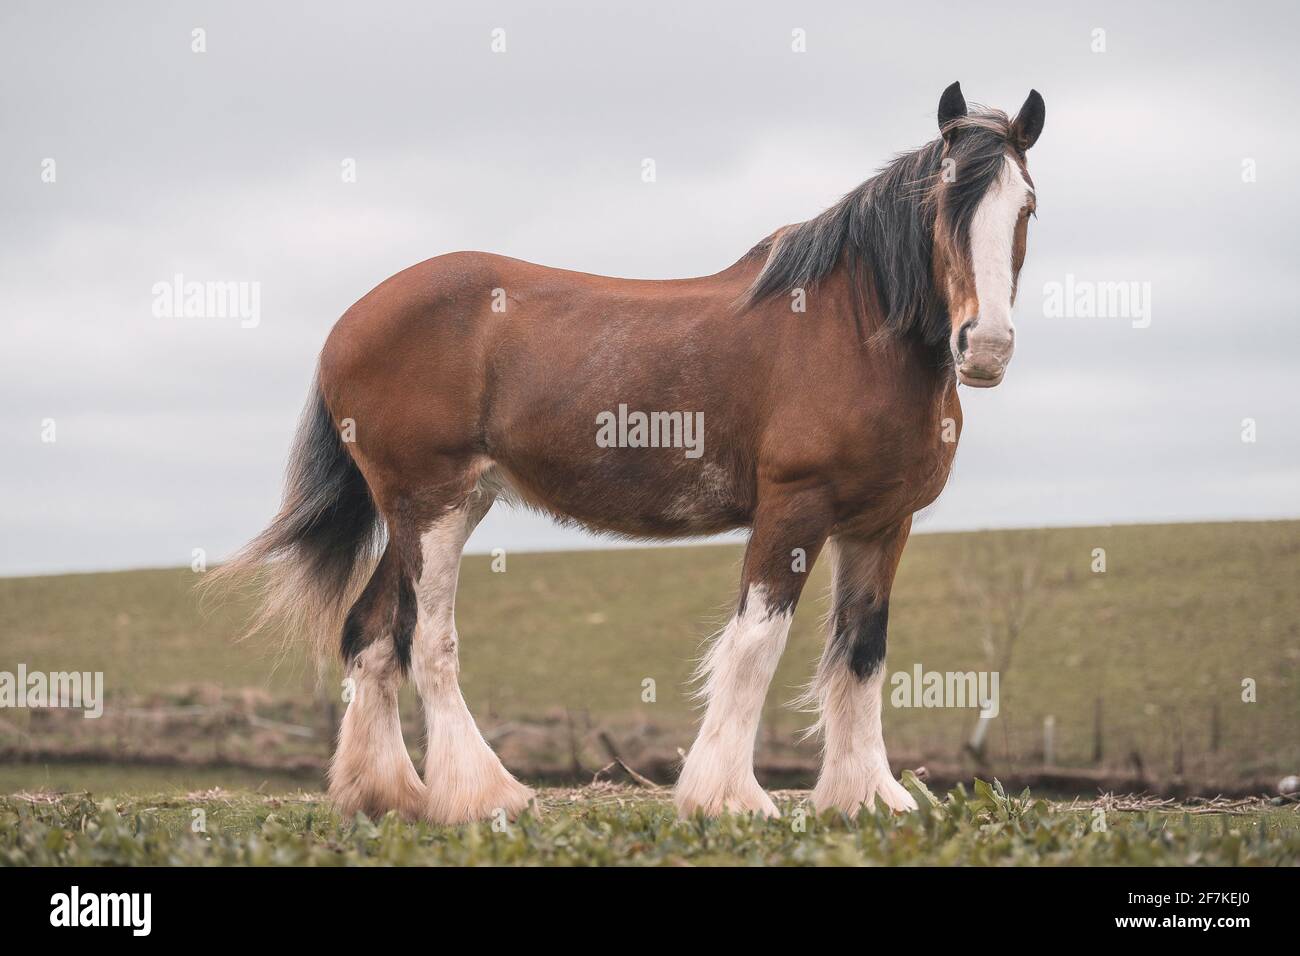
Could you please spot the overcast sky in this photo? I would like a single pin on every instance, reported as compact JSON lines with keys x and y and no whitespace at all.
{"x":226,"y":165}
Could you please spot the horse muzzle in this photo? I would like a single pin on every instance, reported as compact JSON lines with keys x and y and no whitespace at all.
{"x":981,"y":355}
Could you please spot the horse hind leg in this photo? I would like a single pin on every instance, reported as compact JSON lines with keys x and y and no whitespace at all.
{"x":371,"y":770}
{"x":464,"y":779}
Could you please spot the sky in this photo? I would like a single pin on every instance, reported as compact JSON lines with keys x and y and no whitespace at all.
{"x":1168,"y":160}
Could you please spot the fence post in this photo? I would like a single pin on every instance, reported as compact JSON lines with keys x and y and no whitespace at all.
{"x":976,"y":743}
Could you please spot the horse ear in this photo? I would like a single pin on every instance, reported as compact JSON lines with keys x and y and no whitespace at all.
{"x":952,"y":106}
{"x":1029,"y":121}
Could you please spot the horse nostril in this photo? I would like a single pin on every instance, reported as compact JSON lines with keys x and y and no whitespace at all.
{"x":963,"y":332}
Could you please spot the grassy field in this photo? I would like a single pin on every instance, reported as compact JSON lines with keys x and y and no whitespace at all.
{"x":1161,"y":642}
{"x":613,"y":826}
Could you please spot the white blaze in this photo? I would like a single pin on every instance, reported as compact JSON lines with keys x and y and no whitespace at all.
{"x":991,"y":238}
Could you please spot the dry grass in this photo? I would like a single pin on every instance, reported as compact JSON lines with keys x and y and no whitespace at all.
{"x":1164,"y":638}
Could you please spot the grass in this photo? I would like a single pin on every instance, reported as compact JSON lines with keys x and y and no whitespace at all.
{"x":1163,"y":639}
{"x":121,"y":779}
{"x":611,"y":826}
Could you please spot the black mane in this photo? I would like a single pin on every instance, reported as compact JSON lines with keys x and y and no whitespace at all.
{"x":887,"y":226}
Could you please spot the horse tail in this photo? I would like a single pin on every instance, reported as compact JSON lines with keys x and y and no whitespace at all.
{"x":311,"y":561}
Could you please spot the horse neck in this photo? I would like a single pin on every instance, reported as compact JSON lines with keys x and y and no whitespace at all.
{"x":912,"y":366}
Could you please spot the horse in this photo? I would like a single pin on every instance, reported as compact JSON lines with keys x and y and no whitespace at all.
{"x":820,"y":372}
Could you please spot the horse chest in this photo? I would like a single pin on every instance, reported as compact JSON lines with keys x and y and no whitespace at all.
{"x":897,"y":470}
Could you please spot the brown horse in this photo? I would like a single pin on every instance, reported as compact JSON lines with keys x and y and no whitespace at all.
{"x":808,"y":392}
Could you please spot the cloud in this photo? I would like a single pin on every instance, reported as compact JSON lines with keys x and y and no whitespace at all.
{"x":226,"y":166}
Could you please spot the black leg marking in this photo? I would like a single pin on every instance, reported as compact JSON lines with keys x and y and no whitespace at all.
{"x":373,"y":610}
{"x":386,"y":606}
{"x":404,"y":622}
{"x":354,"y":634}
{"x":860,"y":629}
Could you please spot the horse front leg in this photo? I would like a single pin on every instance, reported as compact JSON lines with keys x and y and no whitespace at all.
{"x":718,"y":775}
{"x":847,"y":690}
